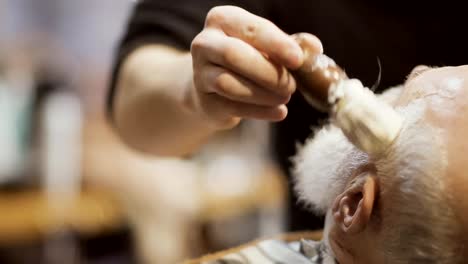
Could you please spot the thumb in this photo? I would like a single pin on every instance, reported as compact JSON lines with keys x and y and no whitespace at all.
{"x":310,"y":44}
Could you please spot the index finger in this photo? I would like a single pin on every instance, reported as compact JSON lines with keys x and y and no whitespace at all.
{"x":258,"y":32}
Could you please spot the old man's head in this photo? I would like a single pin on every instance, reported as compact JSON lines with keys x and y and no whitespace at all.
{"x":408,"y":205}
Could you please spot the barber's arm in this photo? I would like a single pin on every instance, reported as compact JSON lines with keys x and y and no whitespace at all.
{"x":169,"y":101}
{"x":152,"y":105}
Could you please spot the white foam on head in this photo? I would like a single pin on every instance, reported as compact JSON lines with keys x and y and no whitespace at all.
{"x":453,"y":84}
{"x":448,"y":89}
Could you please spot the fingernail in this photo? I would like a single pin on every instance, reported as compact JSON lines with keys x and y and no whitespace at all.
{"x":284,"y":111}
{"x":319,"y":46}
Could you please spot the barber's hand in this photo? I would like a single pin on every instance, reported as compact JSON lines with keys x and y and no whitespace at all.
{"x":240,"y":67}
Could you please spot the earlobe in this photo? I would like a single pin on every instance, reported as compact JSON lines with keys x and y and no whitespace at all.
{"x":353,"y":208}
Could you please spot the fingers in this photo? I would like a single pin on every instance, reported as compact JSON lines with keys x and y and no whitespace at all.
{"x":258,"y":32}
{"x":212,"y":47}
{"x":220,"y":107}
{"x":236,"y":88}
{"x":308,"y":42}
{"x":241,"y":66}
{"x":311,"y":47}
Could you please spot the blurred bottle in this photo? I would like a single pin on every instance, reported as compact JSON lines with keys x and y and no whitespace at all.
{"x":15,"y":113}
{"x":61,"y":126}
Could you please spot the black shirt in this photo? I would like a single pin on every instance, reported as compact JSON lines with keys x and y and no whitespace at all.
{"x":355,"y":33}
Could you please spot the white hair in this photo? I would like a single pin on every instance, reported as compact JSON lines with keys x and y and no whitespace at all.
{"x":322,"y":167}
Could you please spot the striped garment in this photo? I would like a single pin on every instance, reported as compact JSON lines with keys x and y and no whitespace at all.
{"x":279,"y":252}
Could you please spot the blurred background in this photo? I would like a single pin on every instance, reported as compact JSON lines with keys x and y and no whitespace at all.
{"x":71,"y":192}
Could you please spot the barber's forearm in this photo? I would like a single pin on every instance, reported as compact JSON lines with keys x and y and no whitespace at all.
{"x":154,"y":112}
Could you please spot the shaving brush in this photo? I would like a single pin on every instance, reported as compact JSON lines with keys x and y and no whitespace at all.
{"x":368,"y":122}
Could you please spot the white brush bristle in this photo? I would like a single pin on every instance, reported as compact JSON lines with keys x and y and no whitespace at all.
{"x":368,"y":122}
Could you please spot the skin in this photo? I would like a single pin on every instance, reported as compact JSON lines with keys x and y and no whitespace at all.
{"x":169,"y":102}
{"x":351,"y":237}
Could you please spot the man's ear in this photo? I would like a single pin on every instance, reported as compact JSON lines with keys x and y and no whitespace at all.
{"x":353,"y":208}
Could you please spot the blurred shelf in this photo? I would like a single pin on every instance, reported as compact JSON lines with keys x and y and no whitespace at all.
{"x":27,"y":216}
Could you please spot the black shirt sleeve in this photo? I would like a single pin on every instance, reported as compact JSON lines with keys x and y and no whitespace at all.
{"x":171,"y":22}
